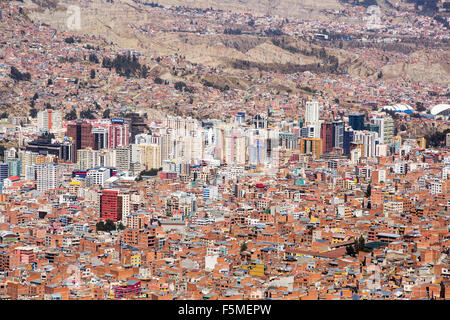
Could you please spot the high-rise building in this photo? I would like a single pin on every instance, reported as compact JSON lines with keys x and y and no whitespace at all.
{"x":67,"y":151}
{"x":257,"y":148}
{"x":81,"y":134}
{"x":385,"y":129}
{"x":338,"y":134}
{"x":13,"y":167}
{"x":355,"y":154}
{"x":48,"y":176}
{"x":101,"y":138}
{"x":137,"y":124}
{"x":312,"y":112}
{"x":64,"y":150}
{"x":150,"y":156}
{"x":326,"y":134}
{"x":49,"y":120}
{"x":181,"y":126}
{"x":348,"y":139}
{"x":98,"y":176}
{"x":89,"y":158}
{"x":234,"y":152}
{"x":111,"y":205}
{"x":166,"y":145}
{"x":4,"y":171}
{"x":312,"y":118}
{"x":356,"y":121}
{"x":122,"y":158}
{"x":26,"y":158}
{"x":308,"y":131}
{"x":10,"y":153}
{"x":401,"y":167}
{"x":369,"y":141}
{"x":311,"y":146}
{"x":260,"y":121}
{"x":118,"y":134}
{"x":288,"y":140}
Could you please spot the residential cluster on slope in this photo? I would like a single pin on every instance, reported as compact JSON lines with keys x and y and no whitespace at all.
{"x":291,"y":199}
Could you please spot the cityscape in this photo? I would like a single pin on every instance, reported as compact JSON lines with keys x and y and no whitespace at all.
{"x":210,"y":151}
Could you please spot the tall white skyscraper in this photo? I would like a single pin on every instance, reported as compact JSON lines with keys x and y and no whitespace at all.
{"x":312,"y":117}
{"x":312,"y":112}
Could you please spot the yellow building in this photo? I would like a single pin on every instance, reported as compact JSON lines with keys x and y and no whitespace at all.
{"x":255,"y":269}
{"x":311,"y":146}
{"x":135,"y":260}
{"x":422,"y":143}
{"x":74,"y":186}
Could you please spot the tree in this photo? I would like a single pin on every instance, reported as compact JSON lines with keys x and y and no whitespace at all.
{"x":19,"y":76}
{"x":232,"y":31}
{"x":144,"y":72}
{"x":2,"y":151}
{"x":33,"y":112}
{"x":350,"y":251}
{"x":72,"y":115}
{"x":46,"y":136}
{"x":151,"y":172}
{"x":121,"y":226}
{"x":369,"y":190}
{"x":100,"y":226}
{"x":436,"y":139}
{"x":126,"y":65}
{"x":360,"y":244}
{"x":92,"y":74}
{"x":420,"y":107}
{"x":179,"y":85}
{"x":93,"y":58}
{"x":87,"y":114}
{"x":106,"y":114}
{"x":109,"y":226}
{"x":243,"y":246}
{"x":69,"y":40}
